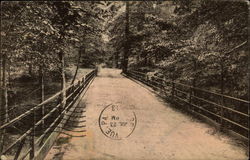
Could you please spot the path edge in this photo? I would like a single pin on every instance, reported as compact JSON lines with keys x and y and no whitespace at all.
{"x":44,"y":150}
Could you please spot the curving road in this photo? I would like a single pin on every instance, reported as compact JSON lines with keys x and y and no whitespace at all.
{"x":161,"y":132}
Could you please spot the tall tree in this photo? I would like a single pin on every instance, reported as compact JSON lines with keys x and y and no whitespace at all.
{"x":127,"y":42}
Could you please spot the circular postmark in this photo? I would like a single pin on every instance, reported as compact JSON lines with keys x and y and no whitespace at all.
{"x":117,"y":123}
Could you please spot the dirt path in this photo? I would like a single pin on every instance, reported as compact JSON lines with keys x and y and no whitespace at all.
{"x":160,"y":133}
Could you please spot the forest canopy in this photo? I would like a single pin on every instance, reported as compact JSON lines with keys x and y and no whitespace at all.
{"x":201,"y":43}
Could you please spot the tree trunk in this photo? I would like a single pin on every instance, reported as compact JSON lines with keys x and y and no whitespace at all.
{"x":195,"y":74}
{"x":146,"y":59}
{"x":117,"y":59}
{"x":5,"y":88}
{"x":78,"y":64}
{"x":114,"y":61}
{"x":4,"y":100}
{"x":126,"y":48}
{"x":30,"y":70}
{"x":63,"y":80}
{"x":1,"y":87}
{"x":1,"y":59}
{"x":1,"y":105}
{"x":222,"y":74}
{"x":9,"y":73}
{"x":222,"y":78}
{"x":41,"y":83}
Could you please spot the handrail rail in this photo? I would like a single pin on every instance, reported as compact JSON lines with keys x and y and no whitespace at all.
{"x":211,"y":92}
{"x":177,"y":92}
{"x":78,"y":88}
{"x":37,"y":106}
{"x":204,"y":90}
{"x":52,"y":124}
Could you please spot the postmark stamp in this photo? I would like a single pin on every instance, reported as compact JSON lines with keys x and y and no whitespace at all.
{"x":117,"y":122}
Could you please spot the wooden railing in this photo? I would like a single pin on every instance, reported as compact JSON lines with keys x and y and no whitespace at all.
{"x":228,"y":112}
{"x":36,"y":128}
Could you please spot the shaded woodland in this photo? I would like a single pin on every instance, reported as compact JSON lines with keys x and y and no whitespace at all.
{"x":44,"y":44}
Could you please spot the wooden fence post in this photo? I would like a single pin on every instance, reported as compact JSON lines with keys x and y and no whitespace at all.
{"x":4,"y":101}
{"x":222,"y":97}
{"x":190,"y":99}
{"x":19,"y":149}
{"x":42,"y":96}
{"x":63,"y":81}
{"x":32,"y":137}
{"x":192,"y":91}
{"x":173,"y":89}
{"x":96,"y":71}
{"x":1,"y":103}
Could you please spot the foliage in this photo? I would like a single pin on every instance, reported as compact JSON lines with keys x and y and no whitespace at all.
{"x":190,"y":41}
{"x":202,"y":43}
{"x":27,"y":35}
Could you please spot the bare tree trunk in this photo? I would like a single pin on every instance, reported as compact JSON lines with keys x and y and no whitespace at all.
{"x":126,"y":48}
{"x":41,"y":72}
{"x":4,"y":100}
{"x":222,"y":74}
{"x":222,"y":78}
{"x":78,"y":64}
{"x":195,"y":74}
{"x":146,"y":59}
{"x":30,"y":70}
{"x":9,"y":73}
{"x":5,"y":88}
{"x":63,"y":80}
{"x":116,"y":59}
{"x":1,"y":59}
{"x":1,"y":104}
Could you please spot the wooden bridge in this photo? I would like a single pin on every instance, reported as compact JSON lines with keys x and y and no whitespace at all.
{"x":167,"y":122}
